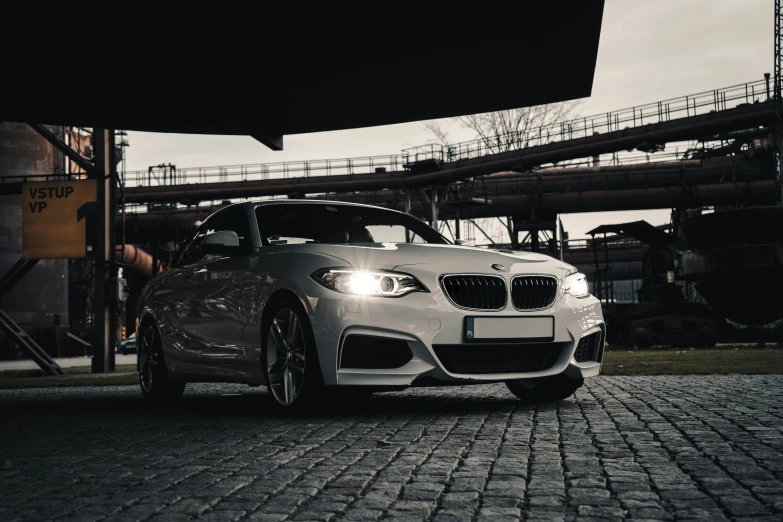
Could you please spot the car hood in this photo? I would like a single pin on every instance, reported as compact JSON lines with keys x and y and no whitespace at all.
{"x":442,"y":258}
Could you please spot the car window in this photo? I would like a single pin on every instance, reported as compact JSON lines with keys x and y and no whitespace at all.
{"x":393,"y":234}
{"x":233,"y":219}
{"x":286,"y":224}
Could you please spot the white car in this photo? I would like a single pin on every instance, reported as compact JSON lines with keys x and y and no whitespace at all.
{"x":306,"y":297}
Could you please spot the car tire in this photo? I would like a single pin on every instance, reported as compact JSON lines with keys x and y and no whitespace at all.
{"x":544,"y":389}
{"x":154,"y":379}
{"x":290,"y":358}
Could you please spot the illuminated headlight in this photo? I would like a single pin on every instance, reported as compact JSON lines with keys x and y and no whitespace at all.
{"x":576,"y":285}
{"x":360,"y":282}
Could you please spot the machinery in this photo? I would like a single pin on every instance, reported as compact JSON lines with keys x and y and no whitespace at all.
{"x":718,"y":280}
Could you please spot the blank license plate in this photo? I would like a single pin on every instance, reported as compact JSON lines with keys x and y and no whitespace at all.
{"x":509,"y":328}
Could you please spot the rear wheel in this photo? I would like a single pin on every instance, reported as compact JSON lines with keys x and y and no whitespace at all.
{"x":545,"y":389}
{"x":289,"y":356}
{"x":154,"y":379}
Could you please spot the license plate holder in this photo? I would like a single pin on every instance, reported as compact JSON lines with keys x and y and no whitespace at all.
{"x":509,"y":329}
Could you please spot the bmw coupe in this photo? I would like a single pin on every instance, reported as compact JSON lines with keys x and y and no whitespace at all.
{"x":306,"y":297}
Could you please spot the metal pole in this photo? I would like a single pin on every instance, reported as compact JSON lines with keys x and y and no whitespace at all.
{"x":434,"y":203}
{"x":112,"y":306}
{"x":407,"y":211}
{"x":778,"y":37}
{"x":457,"y":226}
{"x":562,"y":236}
{"x":103,"y":249}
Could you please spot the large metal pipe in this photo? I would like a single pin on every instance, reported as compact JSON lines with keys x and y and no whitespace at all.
{"x":601,"y":200}
{"x":138,"y":260}
{"x":758,"y":192}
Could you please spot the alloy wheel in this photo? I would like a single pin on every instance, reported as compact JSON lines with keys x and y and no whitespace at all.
{"x":285,"y":356}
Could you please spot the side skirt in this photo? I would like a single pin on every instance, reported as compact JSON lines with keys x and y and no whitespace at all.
{"x":210,"y":372}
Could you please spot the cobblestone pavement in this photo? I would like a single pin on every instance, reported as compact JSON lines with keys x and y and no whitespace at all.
{"x":658,"y":448}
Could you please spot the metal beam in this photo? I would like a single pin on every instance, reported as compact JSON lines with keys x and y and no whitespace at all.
{"x":62,"y":147}
{"x":14,"y":274}
{"x":17,"y":334}
{"x":482,"y":231}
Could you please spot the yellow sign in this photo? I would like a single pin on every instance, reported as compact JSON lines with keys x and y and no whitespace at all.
{"x":54,"y":218}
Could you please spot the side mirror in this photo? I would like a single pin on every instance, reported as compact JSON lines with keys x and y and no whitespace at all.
{"x":219,"y":242}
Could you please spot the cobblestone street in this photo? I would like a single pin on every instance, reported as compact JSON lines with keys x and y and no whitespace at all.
{"x":658,"y":448}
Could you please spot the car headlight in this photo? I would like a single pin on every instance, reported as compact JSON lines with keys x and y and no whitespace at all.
{"x":576,"y":285}
{"x":362,"y":282}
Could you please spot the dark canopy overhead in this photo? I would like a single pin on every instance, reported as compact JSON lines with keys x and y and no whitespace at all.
{"x":305,"y":81}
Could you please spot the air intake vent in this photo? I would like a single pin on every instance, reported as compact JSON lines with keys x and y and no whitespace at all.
{"x":589,"y":348}
{"x":365,"y":351}
{"x":533,"y":292}
{"x":494,"y":358}
{"x":476,"y":292}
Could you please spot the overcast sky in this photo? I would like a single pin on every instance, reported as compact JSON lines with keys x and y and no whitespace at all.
{"x":648,"y":51}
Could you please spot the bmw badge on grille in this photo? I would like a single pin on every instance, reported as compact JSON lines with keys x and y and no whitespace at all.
{"x":499,"y":268}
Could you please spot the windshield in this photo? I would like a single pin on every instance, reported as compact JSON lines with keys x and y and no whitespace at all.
{"x":323,"y":223}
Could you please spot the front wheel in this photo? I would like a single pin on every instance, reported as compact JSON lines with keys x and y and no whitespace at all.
{"x":289,"y":356}
{"x":154,"y":379}
{"x":544,"y":389}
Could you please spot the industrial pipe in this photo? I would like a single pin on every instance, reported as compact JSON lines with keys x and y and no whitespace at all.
{"x":138,"y":260}
{"x":760,"y":192}
{"x":598,"y":200}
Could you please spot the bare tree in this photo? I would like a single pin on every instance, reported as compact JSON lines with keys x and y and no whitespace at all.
{"x":440,"y":135}
{"x":501,"y":131}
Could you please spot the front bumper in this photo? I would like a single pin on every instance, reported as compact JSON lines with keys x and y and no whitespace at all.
{"x":425,"y":320}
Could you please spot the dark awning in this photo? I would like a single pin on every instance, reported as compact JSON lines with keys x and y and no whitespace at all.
{"x":307,"y":81}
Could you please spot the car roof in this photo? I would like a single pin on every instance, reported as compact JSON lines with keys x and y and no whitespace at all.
{"x":267,"y":202}
{"x":270,"y":202}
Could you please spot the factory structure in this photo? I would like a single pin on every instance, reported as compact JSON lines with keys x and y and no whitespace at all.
{"x":713,"y":158}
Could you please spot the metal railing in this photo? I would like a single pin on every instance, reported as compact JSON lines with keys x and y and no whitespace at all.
{"x":691,"y":105}
{"x":264,"y":171}
{"x":666,"y":110}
